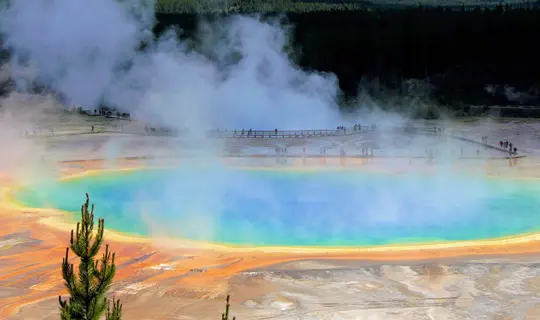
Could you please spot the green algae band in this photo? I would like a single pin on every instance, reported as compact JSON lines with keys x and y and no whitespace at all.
{"x":284,"y":208}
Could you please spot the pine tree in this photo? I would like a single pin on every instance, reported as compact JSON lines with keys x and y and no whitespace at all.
{"x":88,"y":288}
{"x":225,"y":316}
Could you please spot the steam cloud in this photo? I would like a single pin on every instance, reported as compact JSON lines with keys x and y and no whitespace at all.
{"x":240,"y":76}
{"x":512,"y":94}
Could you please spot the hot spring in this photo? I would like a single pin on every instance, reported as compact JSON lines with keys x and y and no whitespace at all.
{"x":299,"y":208}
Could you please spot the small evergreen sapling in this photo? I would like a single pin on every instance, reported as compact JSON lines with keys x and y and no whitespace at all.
{"x":225,"y":316}
{"x":88,"y":288}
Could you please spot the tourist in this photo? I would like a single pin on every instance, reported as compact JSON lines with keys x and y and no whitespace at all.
{"x":275,"y":131}
{"x":510,"y":145}
{"x":515,"y":151}
{"x":501,"y":143}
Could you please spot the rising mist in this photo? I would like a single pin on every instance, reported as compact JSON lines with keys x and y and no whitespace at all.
{"x":239,"y":75}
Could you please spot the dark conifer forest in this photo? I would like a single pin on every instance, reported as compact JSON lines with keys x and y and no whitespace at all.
{"x":480,"y":56}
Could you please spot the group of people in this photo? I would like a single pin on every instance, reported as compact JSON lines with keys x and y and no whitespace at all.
{"x":512,"y":150}
{"x":112,"y":113}
{"x":356,"y":128}
{"x":243,"y":131}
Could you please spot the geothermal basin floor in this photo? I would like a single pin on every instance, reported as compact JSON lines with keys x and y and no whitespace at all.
{"x":159,"y":279}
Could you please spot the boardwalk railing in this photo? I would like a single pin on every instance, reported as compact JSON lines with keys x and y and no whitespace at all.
{"x":67,"y":131}
{"x":278,"y":134}
{"x":236,"y":134}
{"x":290,"y":133}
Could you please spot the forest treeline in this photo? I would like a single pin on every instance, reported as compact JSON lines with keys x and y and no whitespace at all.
{"x":299,"y":6}
{"x":483,"y":56}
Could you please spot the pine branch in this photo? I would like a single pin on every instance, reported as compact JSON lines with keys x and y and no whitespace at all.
{"x":116,"y":312}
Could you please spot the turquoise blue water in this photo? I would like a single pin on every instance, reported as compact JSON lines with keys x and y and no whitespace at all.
{"x":333,"y":208}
